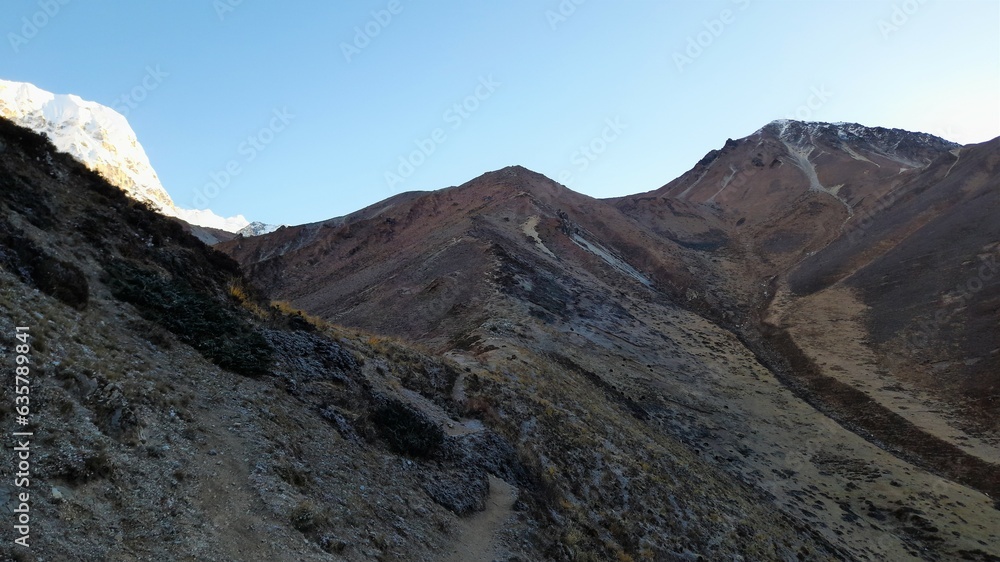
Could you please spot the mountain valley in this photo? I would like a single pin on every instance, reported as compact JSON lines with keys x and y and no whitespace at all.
{"x":790,"y":352}
{"x":753,"y":309}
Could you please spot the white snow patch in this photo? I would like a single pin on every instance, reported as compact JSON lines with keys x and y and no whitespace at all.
{"x":612,"y":260}
{"x":850,"y":151}
{"x":693,"y":184}
{"x":800,"y":157}
{"x":725,"y":182}
{"x":258,"y":228}
{"x":530,"y":229}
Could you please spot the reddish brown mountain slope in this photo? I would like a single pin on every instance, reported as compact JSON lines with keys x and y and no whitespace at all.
{"x":738,"y":310}
{"x":439,"y":255}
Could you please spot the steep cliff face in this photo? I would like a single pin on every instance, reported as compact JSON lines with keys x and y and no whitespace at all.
{"x":102,"y":139}
{"x":94,"y":134}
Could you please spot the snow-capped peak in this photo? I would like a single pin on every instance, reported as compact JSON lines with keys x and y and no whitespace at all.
{"x":789,"y":129}
{"x":205,"y":217}
{"x":909,"y":149}
{"x":101,"y":139}
{"x":257,"y":228}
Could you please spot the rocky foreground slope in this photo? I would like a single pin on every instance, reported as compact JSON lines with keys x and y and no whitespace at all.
{"x":175,"y":417}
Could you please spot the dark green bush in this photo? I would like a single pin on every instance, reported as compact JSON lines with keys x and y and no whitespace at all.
{"x":52,"y":276}
{"x":407,"y":431}
{"x":216,"y":330}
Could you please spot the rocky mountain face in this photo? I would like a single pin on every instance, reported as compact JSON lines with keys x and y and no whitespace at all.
{"x":826,"y":172}
{"x":808,"y":316}
{"x":176,"y":415}
{"x":102,"y":139}
{"x":789,"y":353}
{"x":891,"y":226}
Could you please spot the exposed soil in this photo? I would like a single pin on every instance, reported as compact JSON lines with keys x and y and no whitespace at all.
{"x":478,"y":537}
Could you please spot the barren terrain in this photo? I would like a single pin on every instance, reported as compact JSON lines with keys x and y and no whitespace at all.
{"x":766,"y":359}
{"x":736,"y":310}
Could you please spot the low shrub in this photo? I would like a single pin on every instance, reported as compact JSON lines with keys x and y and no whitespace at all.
{"x":407,"y":431}
{"x":197,"y":319}
{"x":54,"y":277}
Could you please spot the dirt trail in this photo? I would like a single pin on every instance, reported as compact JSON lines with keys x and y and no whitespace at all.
{"x":477,"y":535}
{"x":225,"y":497}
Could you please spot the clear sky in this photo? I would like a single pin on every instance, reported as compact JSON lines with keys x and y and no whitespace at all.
{"x":611,"y":98}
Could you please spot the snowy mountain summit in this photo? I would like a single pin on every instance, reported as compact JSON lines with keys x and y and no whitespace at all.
{"x":257,"y":228}
{"x":911,"y":149}
{"x":101,"y":139}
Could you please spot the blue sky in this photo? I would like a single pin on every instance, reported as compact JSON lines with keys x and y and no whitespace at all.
{"x":611,"y":98}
